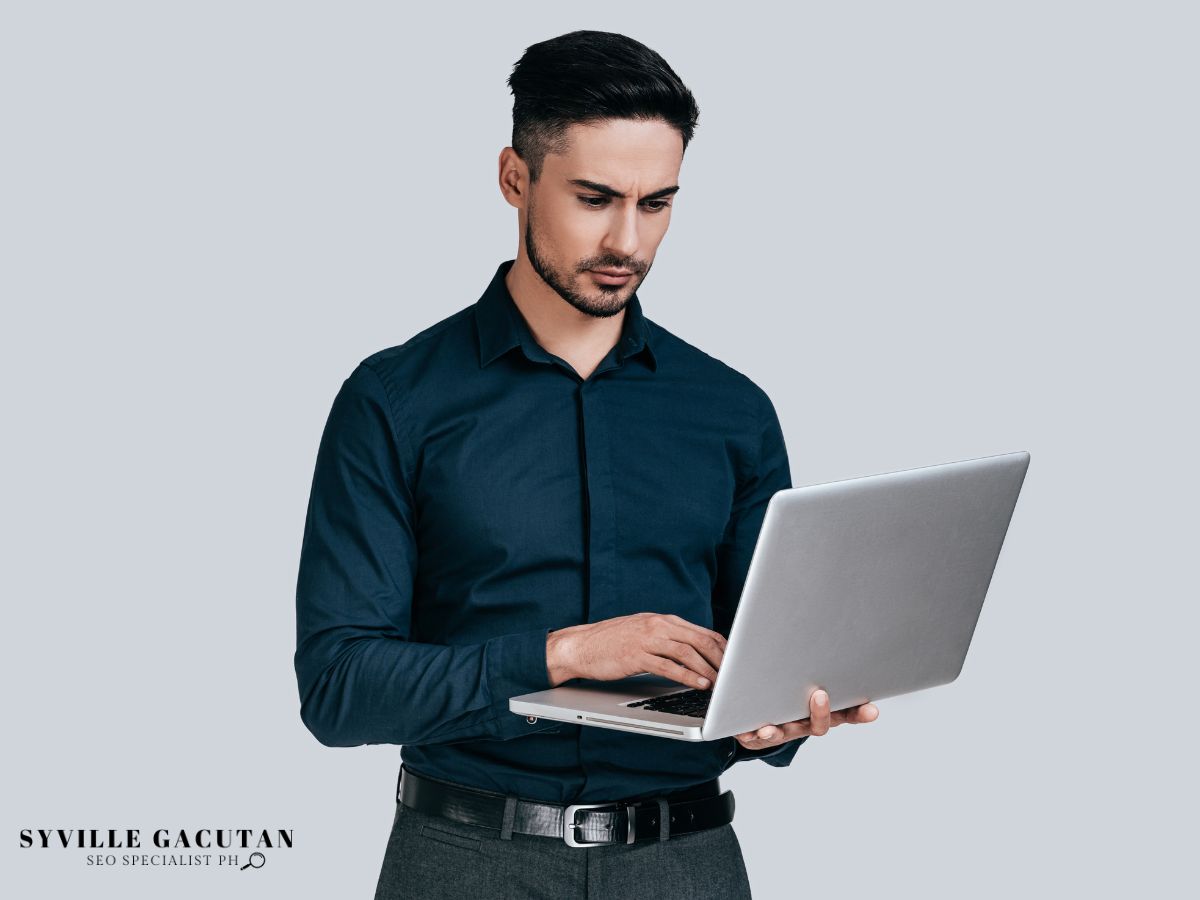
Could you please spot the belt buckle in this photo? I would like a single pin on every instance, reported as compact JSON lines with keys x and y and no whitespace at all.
{"x":569,"y":824}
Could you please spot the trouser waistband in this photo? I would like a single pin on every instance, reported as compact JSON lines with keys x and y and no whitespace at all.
{"x":580,"y":824}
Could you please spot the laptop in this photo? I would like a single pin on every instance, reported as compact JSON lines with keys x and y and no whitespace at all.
{"x":868,"y":588}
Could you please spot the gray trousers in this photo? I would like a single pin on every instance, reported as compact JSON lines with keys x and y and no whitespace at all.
{"x":432,"y":858}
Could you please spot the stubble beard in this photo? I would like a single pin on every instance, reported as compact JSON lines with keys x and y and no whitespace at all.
{"x":611,"y":298}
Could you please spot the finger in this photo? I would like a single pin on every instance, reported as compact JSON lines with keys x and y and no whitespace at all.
{"x":750,"y":740}
{"x":819,"y":717}
{"x":686,"y":655}
{"x":868,"y":712}
{"x":668,"y":668}
{"x":855,"y":715}
{"x":793,"y":730}
{"x":754,"y":742}
{"x":769,"y":734}
{"x":715,"y":636}
{"x":708,"y":644}
{"x":756,"y":737}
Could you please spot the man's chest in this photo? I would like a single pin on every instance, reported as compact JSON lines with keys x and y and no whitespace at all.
{"x":562,"y":477}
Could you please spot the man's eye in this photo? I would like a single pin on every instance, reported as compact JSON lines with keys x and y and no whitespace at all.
{"x":601,"y":202}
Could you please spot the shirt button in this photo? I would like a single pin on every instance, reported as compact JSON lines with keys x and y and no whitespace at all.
{"x":531,"y":719}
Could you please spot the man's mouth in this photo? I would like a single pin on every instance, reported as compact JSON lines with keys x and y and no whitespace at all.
{"x":611,"y":276}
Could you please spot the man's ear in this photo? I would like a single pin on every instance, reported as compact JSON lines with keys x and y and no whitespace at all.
{"x":513,"y":178}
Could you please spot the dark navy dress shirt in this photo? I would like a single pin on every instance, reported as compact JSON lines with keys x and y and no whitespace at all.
{"x":472,"y":493}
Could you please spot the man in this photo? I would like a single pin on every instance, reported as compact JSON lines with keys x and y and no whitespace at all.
{"x":544,"y":486}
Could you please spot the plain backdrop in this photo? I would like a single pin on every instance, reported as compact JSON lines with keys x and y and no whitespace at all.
{"x":931,"y":231}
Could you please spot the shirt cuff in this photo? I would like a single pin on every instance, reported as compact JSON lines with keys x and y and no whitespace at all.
{"x":516,"y":664}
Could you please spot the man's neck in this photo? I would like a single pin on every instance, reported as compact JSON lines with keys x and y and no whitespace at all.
{"x":557,"y":326}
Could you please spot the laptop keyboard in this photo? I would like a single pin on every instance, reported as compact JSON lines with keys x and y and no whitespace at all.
{"x":692,"y":703}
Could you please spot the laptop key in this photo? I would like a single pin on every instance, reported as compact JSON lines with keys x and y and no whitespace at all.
{"x":693,"y":703}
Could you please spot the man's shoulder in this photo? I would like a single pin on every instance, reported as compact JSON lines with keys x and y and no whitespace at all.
{"x":451,"y":335}
{"x":709,"y":374}
{"x":431,"y":357}
{"x":411,"y":374}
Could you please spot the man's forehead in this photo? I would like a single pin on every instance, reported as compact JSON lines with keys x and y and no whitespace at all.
{"x":621,"y":148}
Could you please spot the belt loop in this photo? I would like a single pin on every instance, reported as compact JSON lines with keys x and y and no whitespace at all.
{"x":664,"y":818}
{"x":510,"y":815}
{"x":399,"y":781}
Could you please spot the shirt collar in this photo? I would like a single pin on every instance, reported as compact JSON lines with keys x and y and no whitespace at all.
{"x":501,"y":326}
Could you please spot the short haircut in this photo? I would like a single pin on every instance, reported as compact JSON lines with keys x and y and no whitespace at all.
{"x":588,"y":76}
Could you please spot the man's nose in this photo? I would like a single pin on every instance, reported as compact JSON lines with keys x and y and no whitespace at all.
{"x":622,"y":239}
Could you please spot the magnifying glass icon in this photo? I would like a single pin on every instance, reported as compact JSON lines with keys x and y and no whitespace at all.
{"x":257,"y":861}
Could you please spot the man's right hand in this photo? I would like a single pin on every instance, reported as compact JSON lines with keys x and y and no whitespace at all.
{"x":629,"y":645}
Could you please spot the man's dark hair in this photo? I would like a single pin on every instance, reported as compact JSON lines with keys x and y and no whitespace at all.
{"x":587,"y":76}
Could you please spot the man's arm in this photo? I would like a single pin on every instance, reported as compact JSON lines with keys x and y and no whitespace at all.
{"x":768,"y":472}
{"x":361,"y":680}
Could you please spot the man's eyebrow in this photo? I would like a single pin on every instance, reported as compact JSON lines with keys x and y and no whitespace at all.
{"x":613,"y":192}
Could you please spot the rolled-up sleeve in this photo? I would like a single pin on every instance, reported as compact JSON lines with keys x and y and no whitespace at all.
{"x":768,"y":473}
{"x":361,"y":680}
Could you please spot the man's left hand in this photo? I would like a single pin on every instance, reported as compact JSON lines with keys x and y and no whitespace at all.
{"x":819,"y":721}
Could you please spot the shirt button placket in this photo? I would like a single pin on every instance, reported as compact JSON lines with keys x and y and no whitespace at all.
{"x":599,"y":507}
{"x":596,"y":441}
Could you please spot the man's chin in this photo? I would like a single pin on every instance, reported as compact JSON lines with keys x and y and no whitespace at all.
{"x":600,"y":309}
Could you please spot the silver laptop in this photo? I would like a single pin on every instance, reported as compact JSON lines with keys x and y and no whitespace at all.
{"x":867,"y":588}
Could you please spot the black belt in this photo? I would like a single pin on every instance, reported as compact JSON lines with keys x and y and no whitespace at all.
{"x":580,"y":824}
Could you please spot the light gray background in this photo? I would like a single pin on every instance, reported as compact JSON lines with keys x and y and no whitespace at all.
{"x":931,"y":231}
